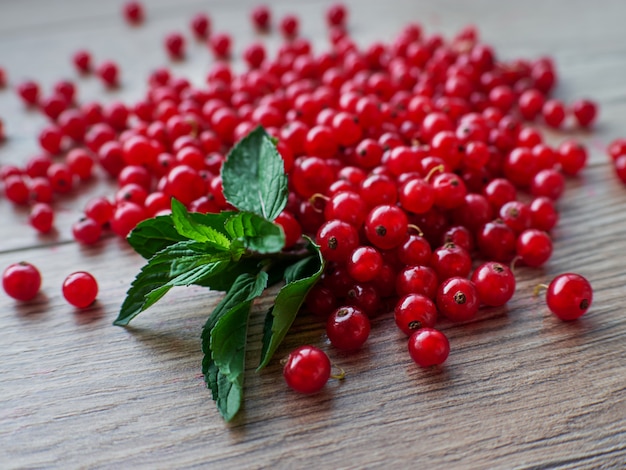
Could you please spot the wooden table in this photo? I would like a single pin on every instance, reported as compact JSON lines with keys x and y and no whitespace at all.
{"x":520,"y":389}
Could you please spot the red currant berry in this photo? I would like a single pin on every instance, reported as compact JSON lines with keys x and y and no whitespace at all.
{"x":585,"y":112}
{"x":347,"y":206}
{"x":175,"y":45}
{"x":543,"y":214}
{"x":80,"y":289}
{"x":417,"y":280}
{"x":109,"y":74}
{"x":321,"y":301}
{"x":414,"y":311}
{"x":126,"y":217}
{"x":428,"y":347}
{"x":386,"y":226}
{"x":87,"y":231}
{"x":133,"y":12}
{"x":16,"y":190}
{"x":348,"y":328}
{"x":572,"y":157}
{"x":449,"y":261}
{"x":289,"y":26}
{"x":449,"y":190}
{"x":42,"y":217}
{"x":337,"y":240}
{"x":569,"y":296}
{"x":364,"y":263}
{"x":261,"y":17}
{"x":496,"y":241}
{"x":457,"y":299}
{"x":82,"y":61}
{"x":617,"y":148}
{"x":516,"y":215}
{"x":414,"y":251}
{"x":21,"y":281}
{"x":494,"y":282}
{"x":201,"y":25}
{"x":100,"y":210}
{"x":553,"y":113}
{"x":307,"y":369}
{"x":548,"y":183}
{"x":534,"y":247}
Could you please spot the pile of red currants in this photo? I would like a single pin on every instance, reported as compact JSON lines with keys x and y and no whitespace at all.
{"x":416,"y":165}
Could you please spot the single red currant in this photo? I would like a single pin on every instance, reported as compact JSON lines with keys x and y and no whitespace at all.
{"x":415,"y":311}
{"x":21,"y":281}
{"x":428,"y":347}
{"x":386,"y":226}
{"x":348,"y":328}
{"x":534,"y":247}
{"x":569,"y":296}
{"x":42,"y":217}
{"x":80,"y":289}
{"x":494,"y":282}
{"x":307,"y":369}
{"x":458,"y":299}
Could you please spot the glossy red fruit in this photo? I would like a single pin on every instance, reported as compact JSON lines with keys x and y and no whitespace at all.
{"x":80,"y":289}
{"x":534,"y":247}
{"x":21,"y":281}
{"x":348,"y":328}
{"x":307,"y":369}
{"x":414,"y":311}
{"x":494,"y":282}
{"x":428,"y":347}
{"x":569,"y":296}
{"x":457,"y":299}
{"x":42,"y":217}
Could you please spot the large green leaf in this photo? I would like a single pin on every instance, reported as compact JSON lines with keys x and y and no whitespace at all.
{"x":300,"y":278}
{"x":253,"y":176}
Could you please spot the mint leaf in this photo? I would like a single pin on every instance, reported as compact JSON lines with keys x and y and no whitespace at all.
{"x":186,"y":278}
{"x":158,"y":273}
{"x":254,"y":233}
{"x":222,"y":378}
{"x":228,"y":347}
{"x":209,"y":230}
{"x":300,"y":277}
{"x":253,"y":176}
{"x":152,"y":235}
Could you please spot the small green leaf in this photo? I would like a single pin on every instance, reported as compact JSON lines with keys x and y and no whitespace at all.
{"x":152,"y":235}
{"x":186,"y":278}
{"x":253,"y":176}
{"x":300,"y":278}
{"x":218,"y":374}
{"x":254,"y":233}
{"x":228,"y":348}
{"x":158,"y":272}
{"x":210,"y":230}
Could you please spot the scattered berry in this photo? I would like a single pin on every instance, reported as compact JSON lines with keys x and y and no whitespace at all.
{"x":21,"y":281}
{"x":80,"y":289}
{"x":428,"y":347}
{"x":569,"y":296}
{"x":307,"y":369}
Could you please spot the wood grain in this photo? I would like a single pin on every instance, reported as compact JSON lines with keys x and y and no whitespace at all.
{"x":520,"y":389}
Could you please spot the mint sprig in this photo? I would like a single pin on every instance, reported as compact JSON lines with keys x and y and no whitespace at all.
{"x":239,"y":252}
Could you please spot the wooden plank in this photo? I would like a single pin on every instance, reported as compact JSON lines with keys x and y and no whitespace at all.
{"x":520,"y":389}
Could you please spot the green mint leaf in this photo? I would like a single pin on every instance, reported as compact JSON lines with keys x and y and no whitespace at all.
{"x":210,"y":230}
{"x":152,"y":235}
{"x":217,"y":373}
{"x":253,"y":176}
{"x":228,"y":347}
{"x":186,"y":278}
{"x":254,"y":233}
{"x":300,"y":278}
{"x":158,"y":272}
